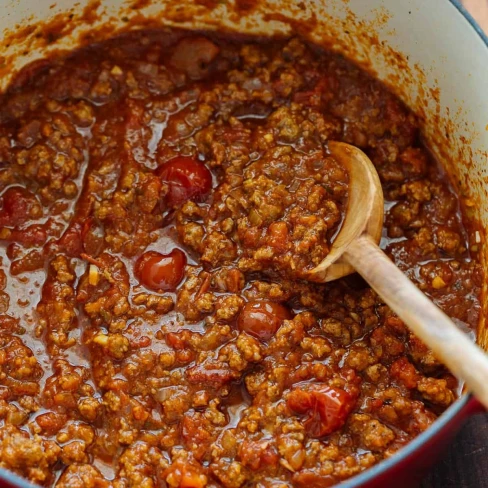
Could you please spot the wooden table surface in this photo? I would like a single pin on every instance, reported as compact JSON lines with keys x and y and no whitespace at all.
{"x":466,"y":463}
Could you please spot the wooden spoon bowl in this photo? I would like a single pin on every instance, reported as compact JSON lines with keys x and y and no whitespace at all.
{"x":356,"y":248}
{"x":365,"y":211}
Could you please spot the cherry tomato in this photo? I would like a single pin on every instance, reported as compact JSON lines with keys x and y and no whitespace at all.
{"x":192,"y":55}
{"x":187,"y":178}
{"x":19,"y":206}
{"x":262,"y":318}
{"x":326,"y":407}
{"x":161,"y":272}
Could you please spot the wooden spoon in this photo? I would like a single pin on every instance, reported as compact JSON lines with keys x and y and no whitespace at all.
{"x":355,"y":249}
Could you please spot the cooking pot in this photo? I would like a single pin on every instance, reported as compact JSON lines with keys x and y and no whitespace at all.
{"x":433,"y":57}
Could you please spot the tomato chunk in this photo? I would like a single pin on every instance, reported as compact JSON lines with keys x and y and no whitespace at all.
{"x":187,"y":179}
{"x":326,"y":408}
{"x":19,"y":206}
{"x":258,"y":454}
{"x":262,"y":318}
{"x":161,"y":272}
{"x":51,"y":422}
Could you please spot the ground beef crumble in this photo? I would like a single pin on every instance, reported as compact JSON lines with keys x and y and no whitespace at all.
{"x":162,"y":196}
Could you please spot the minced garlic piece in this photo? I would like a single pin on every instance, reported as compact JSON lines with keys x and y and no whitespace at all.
{"x":101,"y":339}
{"x":116,"y":70}
{"x":93,"y":275}
{"x":438,"y":283}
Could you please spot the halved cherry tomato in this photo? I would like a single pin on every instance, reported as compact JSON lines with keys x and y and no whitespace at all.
{"x":161,"y":272}
{"x":187,"y":178}
{"x":326,"y":407}
{"x":262,"y":318}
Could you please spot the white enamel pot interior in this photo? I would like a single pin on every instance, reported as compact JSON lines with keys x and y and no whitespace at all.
{"x":430,"y":53}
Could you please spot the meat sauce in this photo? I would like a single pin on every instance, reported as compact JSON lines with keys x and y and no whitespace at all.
{"x":163,"y":195}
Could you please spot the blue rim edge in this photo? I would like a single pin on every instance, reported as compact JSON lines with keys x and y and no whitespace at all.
{"x":412,"y":446}
{"x":470,"y":19}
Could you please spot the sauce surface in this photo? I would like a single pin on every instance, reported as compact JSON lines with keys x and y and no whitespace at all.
{"x":161,"y":196}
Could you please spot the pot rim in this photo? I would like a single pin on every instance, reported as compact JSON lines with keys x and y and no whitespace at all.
{"x":457,"y":411}
{"x":12,"y":480}
{"x":464,"y":12}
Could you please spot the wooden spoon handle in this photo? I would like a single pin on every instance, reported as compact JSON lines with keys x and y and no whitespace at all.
{"x":454,"y":348}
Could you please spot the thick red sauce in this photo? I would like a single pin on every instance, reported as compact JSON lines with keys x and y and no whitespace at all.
{"x":162,"y":196}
